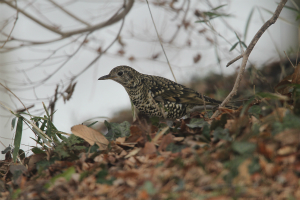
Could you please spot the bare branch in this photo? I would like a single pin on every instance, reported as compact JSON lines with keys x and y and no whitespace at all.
{"x":53,"y":29}
{"x":115,"y":18}
{"x":102,"y":53}
{"x":247,"y":53}
{"x":127,"y":7}
{"x":68,"y":13}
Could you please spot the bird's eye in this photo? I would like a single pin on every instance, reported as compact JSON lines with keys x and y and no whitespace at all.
{"x":120,"y":73}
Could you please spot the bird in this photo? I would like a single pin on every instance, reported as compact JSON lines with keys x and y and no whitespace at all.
{"x":159,"y":96}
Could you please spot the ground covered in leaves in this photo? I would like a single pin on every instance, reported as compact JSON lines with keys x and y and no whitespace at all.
{"x":249,"y":153}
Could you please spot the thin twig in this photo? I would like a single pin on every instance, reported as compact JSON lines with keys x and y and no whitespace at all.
{"x":297,"y":55}
{"x":102,"y":53}
{"x":247,"y":53}
{"x":204,"y":103}
{"x":112,"y":20}
{"x":289,"y":59}
{"x":182,"y":21}
{"x":52,"y":103}
{"x":17,"y":17}
{"x":235,"y":59}
{"x":68,"y":13}
{"x":160,"y":41}
{"x":15,"y":96}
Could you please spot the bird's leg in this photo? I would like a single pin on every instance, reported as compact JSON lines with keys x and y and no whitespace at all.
{"x":157,"y":106}
{"x":162,"y":110}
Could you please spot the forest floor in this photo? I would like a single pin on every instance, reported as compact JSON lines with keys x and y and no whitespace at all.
{"x":249,"y":153}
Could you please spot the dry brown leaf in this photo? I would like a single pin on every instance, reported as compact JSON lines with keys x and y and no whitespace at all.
{"x":270,"y":169}
{"x":133,"y":152}
{"x":284,"y":86}
{"x":178,"y":139}
{"x":34,"y":159}
{"x":243,"y":178}
{"x":285,"y":160}
{"x":166,"y":140}
{"x":286,"y":150}
{"x":121,"y":142}
{"x":115,"y":147}
{"x":135,"y":134}
{"x":268,"y":150}
{"x":278,"y":114}
{"x":149,"y":148}
{"x":197,"y":58}
{"x":143,"y":194}
{"x":158,"y":135}
{"x":91,"y":136}
{"x":288,"y":137}
{"x":221,"y":197}
{"x":296,"y":75}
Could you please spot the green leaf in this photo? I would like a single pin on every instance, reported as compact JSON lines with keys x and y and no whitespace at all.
{"x":290,"y":121}
{"x":219,"y":123}
{"x":46,"y":110}
{"x":16,"y":193}
{"x":254,"y":166}
{"x":272,"y":96}
{"x":102,"y":177}
{"x":37,"y":150}
{"x":243,"y":147}
{"x":44,"y":164}
{"x":206,"y":131}
{"x":175,"y":148}
{"x":66,"y":174}
{"x":13,"y":123}
{"x":220,"y":133}
{"x":255,"y":110}
{"x":243,"y":43}
{"x":196,"y":123}
{"x":41,"y":136}
{"x":149,"y":187}
{"x":216,"y":8}
{"x":248,"y":23}
{"x":69,"y":147}
{"x":43,"y":125}
{"x":236,"y":35}
{"x":116,"y":130}
{"x":233,"y":166}
{"x":255,"y":129}
{"x":233,"y":47}
{"x":18,"y":138}
{"x":21,"y":154}
{"x":291,"y":8}
{"x":201,"y":21}
{"x":246,"y":105}
{"x":154,"y":121}
{"x":93,"y":148}
{"x":209,"y":113}
{"x":91,"y":124}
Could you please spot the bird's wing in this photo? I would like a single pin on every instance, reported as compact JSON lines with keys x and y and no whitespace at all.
{"x":166,"y":90}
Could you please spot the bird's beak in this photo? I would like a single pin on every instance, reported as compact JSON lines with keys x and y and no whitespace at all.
{"x":106,"y":77}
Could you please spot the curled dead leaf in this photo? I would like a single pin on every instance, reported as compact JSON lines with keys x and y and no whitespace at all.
{"x":90,"y":135}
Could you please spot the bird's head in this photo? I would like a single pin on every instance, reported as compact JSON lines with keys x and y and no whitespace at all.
{"x":126,"y":76}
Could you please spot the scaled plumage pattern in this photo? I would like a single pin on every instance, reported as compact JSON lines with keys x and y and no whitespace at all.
{"x":158,"y":96}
